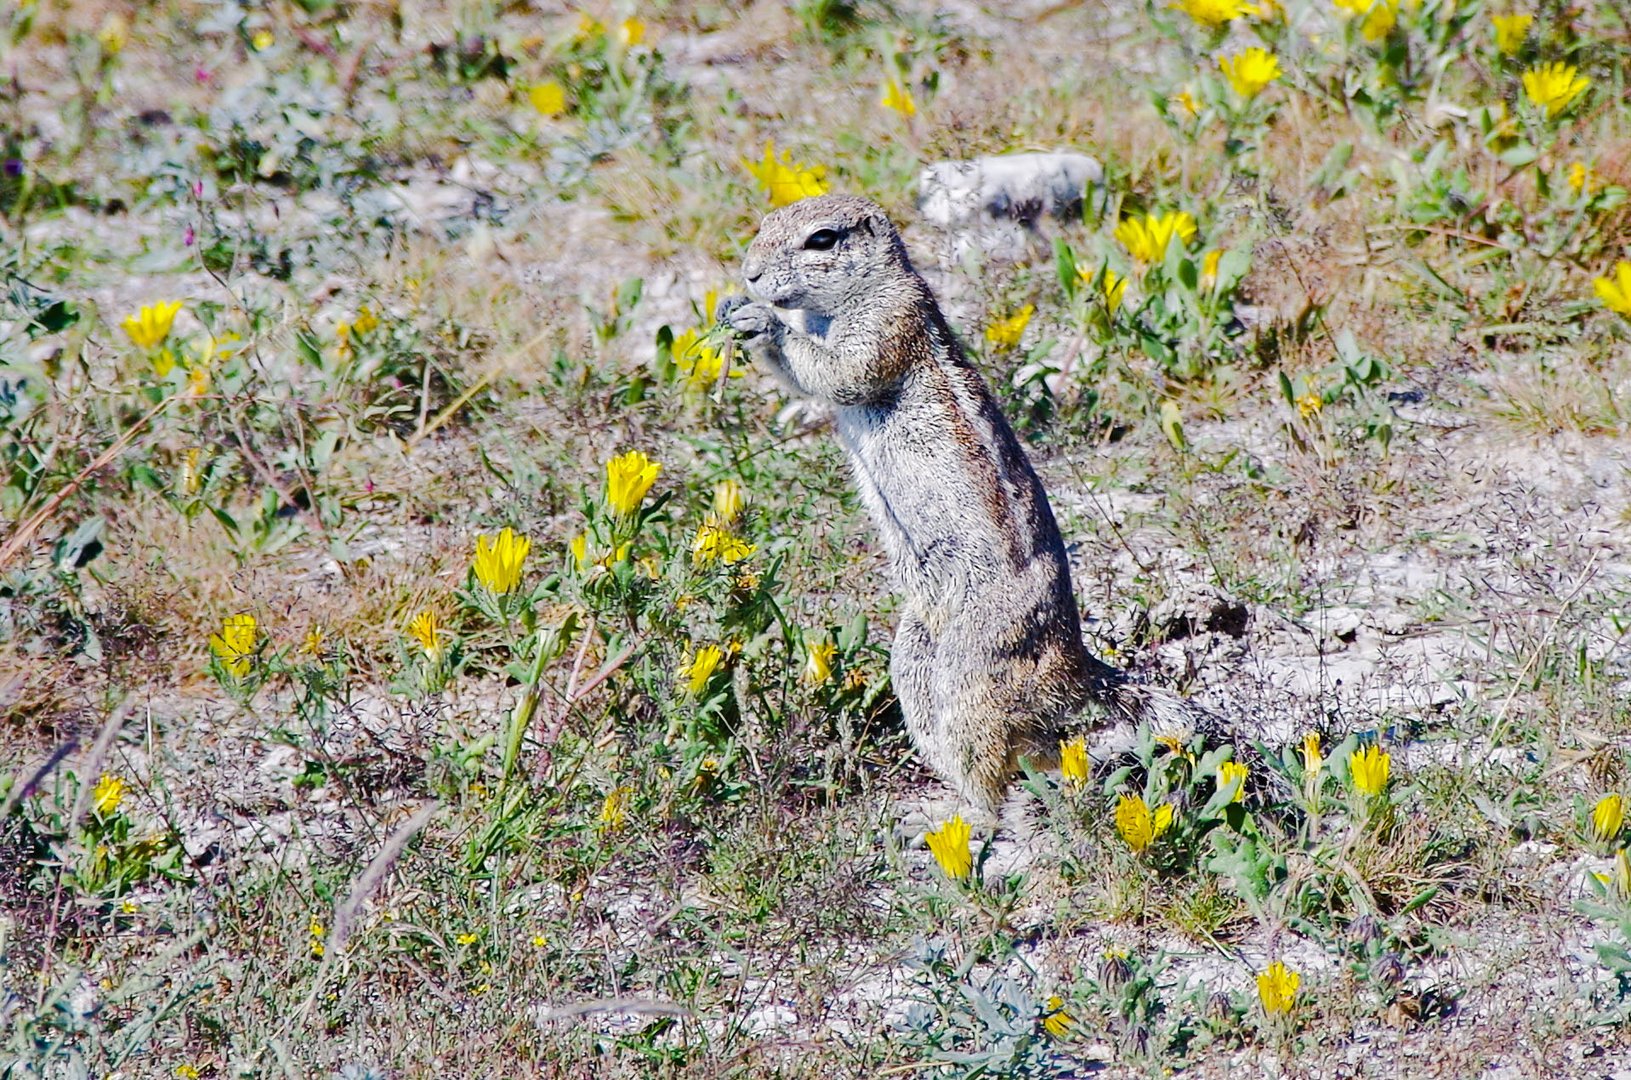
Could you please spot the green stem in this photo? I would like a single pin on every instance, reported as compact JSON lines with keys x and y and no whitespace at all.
{"x":521,"y":718}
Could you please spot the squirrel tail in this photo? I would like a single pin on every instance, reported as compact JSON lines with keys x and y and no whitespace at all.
{"x":1123,"y":707}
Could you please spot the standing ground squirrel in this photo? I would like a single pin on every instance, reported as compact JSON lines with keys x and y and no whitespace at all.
{"x":988,"y":660}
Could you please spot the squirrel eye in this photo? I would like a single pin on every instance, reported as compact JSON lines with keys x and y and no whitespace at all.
{"x":821,"y":240}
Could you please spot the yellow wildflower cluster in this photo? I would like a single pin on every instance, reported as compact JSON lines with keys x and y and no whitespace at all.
{"x":1510,"y":30}
{"x":426,"y":630}
{"x":1277,"y":989}
{"x":108,"y":795}
{"x":1369,"y":768}
{"x":614,"y":809}
{"x":1608,"y":818}
{"x":1379,"y":17}
{"x":235,"y":644}
{"x":1137,"y":825}
{"x":151,"y":325}
{"x":1250,"y":70}
{"x":1056,"y":1021}
{"x":1615,"y":289}
{"x":628,"y":478}
{"x":1213,"y":13}
{"x":499,"y":559}
{"x":714,"y":543}
{"x":1073,"y":761}
{"x":897,"y":98}
{"x":785,"y":180}
{"x":818,"y":658}
{"x":1006,"y":333}
{"x":949,"y":846}
{"x":695,"y":671}
{"x":1147,"y":238}
{"x":1553,"y":87}
{"x":699,"y":362}
{"x":548,"y":98}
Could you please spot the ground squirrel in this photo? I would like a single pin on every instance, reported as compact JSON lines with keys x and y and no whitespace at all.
{"x":988,"y":661}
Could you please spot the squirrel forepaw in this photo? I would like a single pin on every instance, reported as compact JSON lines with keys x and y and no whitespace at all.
{"x":746,"y":317}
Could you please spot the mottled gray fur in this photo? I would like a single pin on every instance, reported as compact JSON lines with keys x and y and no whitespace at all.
{"x":988,"y":661}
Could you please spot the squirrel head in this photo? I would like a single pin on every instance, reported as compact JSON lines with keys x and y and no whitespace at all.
{"x":827,"y":256}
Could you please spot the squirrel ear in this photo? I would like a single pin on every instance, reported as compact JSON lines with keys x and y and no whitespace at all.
{"x":866,"y":223}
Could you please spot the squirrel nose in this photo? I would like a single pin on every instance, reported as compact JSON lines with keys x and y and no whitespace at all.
{"x":752,"y":270}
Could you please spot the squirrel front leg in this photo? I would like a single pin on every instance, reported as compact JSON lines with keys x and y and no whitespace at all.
{"x":763,"y":335}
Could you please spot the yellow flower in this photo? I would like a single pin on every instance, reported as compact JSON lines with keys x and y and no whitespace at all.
{"x":1615,"y":291}
{"x":1146,"y":239}
{"x":628,"y":477}
{"x":235,"y":644}
{"x":1380,"y":16}
{"x":198,"y":381}
{"x":365,"y":323}
{"x":192,"y":477}
{"x":1209,"y":268}
{"x":1510,"y":30}
{"x":696,"y":671}
{"x":1005,"y":333}
{"x":316,"y":933}
{"x":1583,"y":179}
{"x":818,"y":657}
{"x":425,"y":630}
{"x":262,"y":40}
{"x":186,"y":1072}
{"x":1113,"y":286}
{"x":1073,"y":763}
{"x":1136,"y":825}
{"x":1057,"y":1022}
{"x":539,"y":941}
{"x":1186,"y":101}
{"x":898,"y":98}
{"x":1277,"y":988}
{"x":580,"y":551}
{"x":152,"y":324}
{"x":713,"y":544}
{"x":589,"y":26}
{"x":949,"y":846}
{"x":1554,"y":86}
{"x":614,"y":808}
{"x":467,"y":939}
{"x":1232,"y":775}
{"x":1309,"y":405}
{"x":1607,"y":818}
{"x":114,"y":34}
{"x":1313,"y":760}
{"x":631,"y":32}
{"x":1250,"y":71}
{"x":698,"y":361}
{"x":314,"y":641}
{"x":164,"y":362}
{"x":1369,"y":769}
{"x":728,"y":499}
{"x":1213,"y":13}
{"x":498,"y":560}
{"x":549,"y":98}
{"x":786,"y":181}
{"x":108,"y":794}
